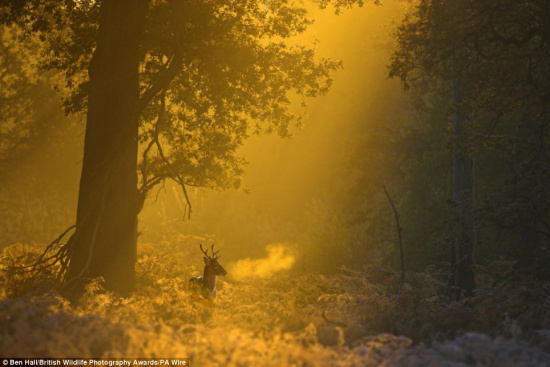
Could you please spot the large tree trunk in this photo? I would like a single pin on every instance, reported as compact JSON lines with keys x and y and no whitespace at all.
{"x":463,"y":197}
{"x":104,"y":244}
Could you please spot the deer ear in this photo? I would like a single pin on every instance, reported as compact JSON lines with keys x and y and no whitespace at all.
{"x":205,"y":259}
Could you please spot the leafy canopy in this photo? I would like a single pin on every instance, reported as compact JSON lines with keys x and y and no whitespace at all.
{"x":212,"y":72}
{"x":498,"y":49}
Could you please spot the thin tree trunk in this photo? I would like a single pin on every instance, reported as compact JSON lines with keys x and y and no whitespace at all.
{"x":463,"y":196}
{"x":399,"y":231}
{"x":104,"y":244}
{"x":530,"y":238}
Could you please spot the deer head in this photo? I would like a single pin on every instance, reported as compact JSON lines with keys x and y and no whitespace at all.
{"x":211,"y":264}
{"x":212,"y":269}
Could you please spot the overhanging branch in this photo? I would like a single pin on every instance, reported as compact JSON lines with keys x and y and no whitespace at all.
{"x":161,"y":81}
{"x":155,"y":141}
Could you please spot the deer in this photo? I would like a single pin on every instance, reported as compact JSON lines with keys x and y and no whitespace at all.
{"x":212,"y":268}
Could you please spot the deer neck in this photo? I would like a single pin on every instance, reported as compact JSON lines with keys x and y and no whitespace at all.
{"x":209,"y":279}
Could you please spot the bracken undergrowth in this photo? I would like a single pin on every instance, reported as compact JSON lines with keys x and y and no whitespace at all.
{"x":351,"y":318}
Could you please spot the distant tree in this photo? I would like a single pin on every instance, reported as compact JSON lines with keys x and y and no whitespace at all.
{"x":33,"y":184}
{"x":494,"y":57}
{"x":18,"y":78}
{"x":182,"y":83}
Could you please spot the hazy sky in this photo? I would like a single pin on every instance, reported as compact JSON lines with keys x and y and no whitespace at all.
{"x":313,"y":162}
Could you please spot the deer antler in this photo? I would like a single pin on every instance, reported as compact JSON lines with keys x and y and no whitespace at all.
{"x":214,"y":253}
{"x":204,"y":252}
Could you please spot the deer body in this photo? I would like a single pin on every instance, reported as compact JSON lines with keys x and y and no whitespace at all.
{"x":212,"y":269}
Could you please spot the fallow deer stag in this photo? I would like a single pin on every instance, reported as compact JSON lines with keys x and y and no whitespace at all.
{"x":212,"y":268}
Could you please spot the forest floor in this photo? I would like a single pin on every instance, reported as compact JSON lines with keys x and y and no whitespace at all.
{"x":352,"y":318}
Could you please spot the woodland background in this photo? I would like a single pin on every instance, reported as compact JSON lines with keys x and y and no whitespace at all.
{"x":305,"y":230}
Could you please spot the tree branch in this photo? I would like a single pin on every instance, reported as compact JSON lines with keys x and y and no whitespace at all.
{"x":518,"y":42}
{"x":161,"y":81}
{"x":176,"y":177}
{"x":397,"y":224}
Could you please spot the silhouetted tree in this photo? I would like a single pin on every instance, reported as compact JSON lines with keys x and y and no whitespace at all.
{"x":181,"y":82}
